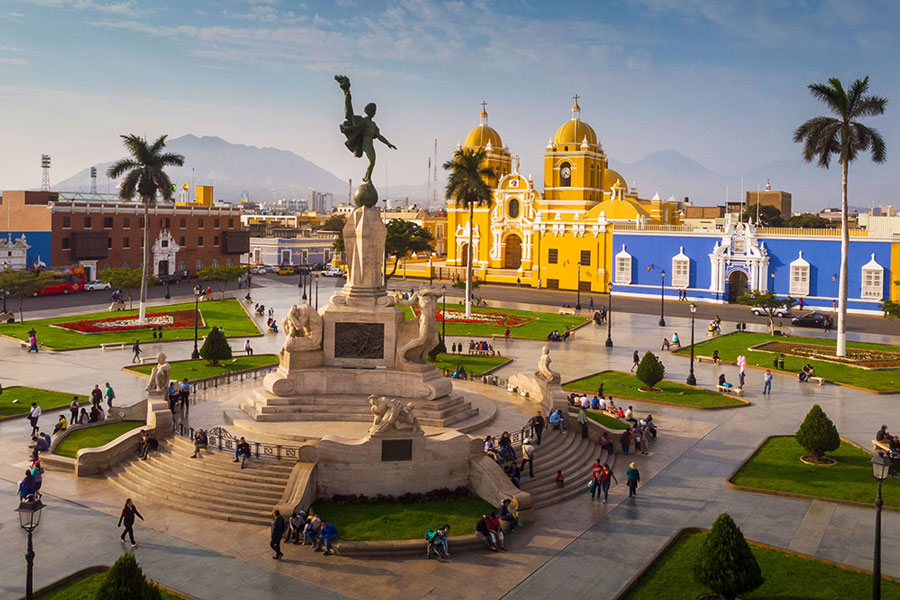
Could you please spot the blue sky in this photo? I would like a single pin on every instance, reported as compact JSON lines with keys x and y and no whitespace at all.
{"x":722,"y":81}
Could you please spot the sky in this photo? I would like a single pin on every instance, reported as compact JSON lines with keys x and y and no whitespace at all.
{"x":721,"y":81}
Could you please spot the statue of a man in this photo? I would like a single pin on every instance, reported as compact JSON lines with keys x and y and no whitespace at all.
{"x":360,"y":131}
{"x":159,"y":376}
{"x":544,"y":371}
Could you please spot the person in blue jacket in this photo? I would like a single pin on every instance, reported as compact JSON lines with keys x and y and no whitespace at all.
{"x":327,"y":533}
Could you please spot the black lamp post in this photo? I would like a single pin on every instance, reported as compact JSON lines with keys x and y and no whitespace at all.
{"x":578,"y":287}
{"x":5,"y":295}
{"x":444,"y":313}
{"x":302,"y":284}
{"x":168,"y":295}
{"x":317,"y":293}
{"x":29,"y":518}
{"x":196,"y":353}
{"x":430,"y":269}
{"x":691,"y":380}
{"x":609,"y":343}
{"x":881,"y":467}
{"x":662,"y":299}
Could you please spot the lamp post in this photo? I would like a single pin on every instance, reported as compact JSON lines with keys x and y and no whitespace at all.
{"x":691,"y":380}
{"x":29,"y":518}
{"x":317,"y":293}
{"x":609,"y":343}
{"x":430,"y":269}
{"x":881,"y":467}
{"x":5,"y":296}
{"x":662,"y":299}
{"x":196,"y":353}
{"x":168,"y":295}
{"x":302,"y":284}
{"x":578,"y":288}
{"x":444,"y":313}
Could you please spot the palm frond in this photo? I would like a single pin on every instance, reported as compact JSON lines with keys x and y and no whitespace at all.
{"x":116,"y":170}
{"x":129,"y":185}
{"x":831,"y":95}
{"x":869,"y":106}
{"x":170,"y":159}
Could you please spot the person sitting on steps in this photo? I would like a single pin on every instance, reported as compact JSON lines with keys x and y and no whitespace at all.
{"x":242,"y":452}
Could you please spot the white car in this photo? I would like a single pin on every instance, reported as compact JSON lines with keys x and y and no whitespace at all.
{"x":262,"y":269}
{"x":779,"y":312}
{"x":96,"y":284}
{"x":333,"y":272}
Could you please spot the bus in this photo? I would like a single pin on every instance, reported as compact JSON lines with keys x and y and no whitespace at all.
{"x":64,"y":281}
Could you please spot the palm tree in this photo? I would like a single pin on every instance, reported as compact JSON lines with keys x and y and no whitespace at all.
{"x":145,"y":176}
{"x":844,"y":136}
{"x":467,"y":183}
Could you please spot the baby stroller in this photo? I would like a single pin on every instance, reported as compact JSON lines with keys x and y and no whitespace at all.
{"x":431,"y":536}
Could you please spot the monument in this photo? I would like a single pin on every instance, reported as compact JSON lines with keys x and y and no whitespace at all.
{"x":542,"y":386}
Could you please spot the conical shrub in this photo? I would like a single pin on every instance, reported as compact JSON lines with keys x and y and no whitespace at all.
{"x":215,"y":346}
{"x":650,"y":370}
{"x":817,"y":434}
{"x":126,"y":581}
{"x":725,"y":563}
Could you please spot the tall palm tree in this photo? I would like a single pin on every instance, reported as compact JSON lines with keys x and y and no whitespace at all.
{"x":145,"y":175}
{"x":842,"y":135}
{"x":467,"y":183}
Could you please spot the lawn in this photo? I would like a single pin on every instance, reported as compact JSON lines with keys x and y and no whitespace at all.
{"x":541,"y":323}
{"x":625,"y":385}
{"x":226,"y":314}
{"x":474,"y":365}
{"x":94,"y":437}
{"x":786,"y":576}
{"x":604,"y":419}
{"x":776,"y":466}
{"x":733,"y":344}
{"x":46,"y":399}
{"x":372,"y":522}
{"x":86,"y":587}
{"x":199,"y":369}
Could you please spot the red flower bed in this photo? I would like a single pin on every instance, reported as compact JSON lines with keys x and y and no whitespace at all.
{"x":480,"y":317}
{"x":167,"y":320}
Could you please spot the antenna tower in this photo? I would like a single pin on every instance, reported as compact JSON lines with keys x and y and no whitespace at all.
{"x":434,"y":200}
{"x":93,"y":180}
{"x":45,"y":177}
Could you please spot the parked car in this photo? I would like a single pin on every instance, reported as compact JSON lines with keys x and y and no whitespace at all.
{"x":286,"y":270}
{"x":813,"y":319}
{"x":333,"y":272}
{"x":779,"y":312}
{"x":96,"y":284}
{"x":262,"y":269}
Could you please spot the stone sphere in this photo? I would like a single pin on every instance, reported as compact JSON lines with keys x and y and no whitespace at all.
{"x":366,"y":195}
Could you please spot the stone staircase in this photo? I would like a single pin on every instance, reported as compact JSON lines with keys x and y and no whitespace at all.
{"x":211,"y":486}
{"x":561,"y":451}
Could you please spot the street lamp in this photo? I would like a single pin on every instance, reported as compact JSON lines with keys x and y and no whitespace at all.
{"x":196,"y":353}
{"x":881,"y":467}
{"x":444,"y":313}
{"x":578,"y":287}
{"x":691,"y":380}
{"x":609,"y":343}
{"x":317,"y":293}
{"x":168,"y":295}
{"x":29,"y":518}
{"x":430,"y":269}
{"x":302,"y":284}
{"x":662,"y":299}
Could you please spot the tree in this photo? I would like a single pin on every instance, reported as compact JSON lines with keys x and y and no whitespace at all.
{"x":126,"y":279}
{"x":768,"y":302}
{"x":220,"y":276}
{"x":335,"y":222}
{"x":768,"y":216}
{"x":215,"y":346}
{"x":725,"y":562}
{"x":21,"y":284}
{"x":126,"y":580}
{"x":650,"y":370}
{"x":145,"y":176}
{"x":842,"y":135}
{"x":817,"y":434}
{"x":467,"y":184}
{"x":810,"y":221}
{"x":404,"y":237}
{"x":891,"y":309}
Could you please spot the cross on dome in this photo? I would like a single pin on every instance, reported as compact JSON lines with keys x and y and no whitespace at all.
{"x":576,"y":109}
{"x":484,"y":115}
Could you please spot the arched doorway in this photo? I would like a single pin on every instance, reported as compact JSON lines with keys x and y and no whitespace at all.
{"x":512,"y":258}
{"x":463,"y":258}
{"x":737,"y":285}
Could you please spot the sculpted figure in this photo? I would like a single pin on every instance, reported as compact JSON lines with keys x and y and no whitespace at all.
{"x":360,"y":131}
{"x":392,"y":414}
{"x":544,"y":371}
{"x":424,"y":338}
{"x":302,"y":328}
{"x":159,"y":376}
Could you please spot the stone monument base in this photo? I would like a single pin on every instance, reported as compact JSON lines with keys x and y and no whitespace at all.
{"x":549,"y":395}
{"x":361,"y":336}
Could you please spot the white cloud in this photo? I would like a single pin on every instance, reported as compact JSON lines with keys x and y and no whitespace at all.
{"x":7,"y":60}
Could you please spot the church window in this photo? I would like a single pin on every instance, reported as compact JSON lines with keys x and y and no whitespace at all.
{"x":565,"y":174}
{"x":585,"y":258}
{"x":215,"y":262}
{"x":623,"y":267}
{"x":552,"y":256}
{"x":799,"y":277}
{"x":513,"y":209}
{"x":681,"y":270}
{"x":872,"y":280}
{"x":199,"y":263}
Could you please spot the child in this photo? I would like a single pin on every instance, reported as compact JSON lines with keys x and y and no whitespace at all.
{"x":560,"y":480}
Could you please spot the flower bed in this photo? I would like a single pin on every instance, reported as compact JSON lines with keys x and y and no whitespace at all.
{"x":864,"y":358}
{"x":481,"y":317}
{"x":176,"y":319}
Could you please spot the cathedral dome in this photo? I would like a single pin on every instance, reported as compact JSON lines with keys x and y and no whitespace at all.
{"x":575,"y":131}
{"x":483,"y":135}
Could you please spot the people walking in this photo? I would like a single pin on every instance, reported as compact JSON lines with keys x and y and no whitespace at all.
{"x":73,"y":410}
{"x":277,"y":534}
{"x":33,"y":415}
{"x":626,"y":440}
{"x":129,"y":512}
{"x":537,"y":425}
{"x":137,"y":351}
{"x":767,"y":382}
{"x":110,"y":395}
{"x":96,"y":396}
{"x":634,"y":477}
{"x":184,"y":393}
{"x":32,"y":341}
{"x":527,"y":457}
{"x":582,"y":420}
{"x":636,"y":360}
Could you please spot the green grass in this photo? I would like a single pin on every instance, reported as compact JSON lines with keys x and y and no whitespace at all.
{"x":46,"y":399}
{"x":733,"y":344}
{"x":86,"y":587}
{"x":474,"y":365}
{"x":604,"y":419}
{"x":787,"y":577}
{"x":372,"y":522}
{"x":776,"y":466}
{"x":226,"y":314}
{"x":625,"y":385}
{"x":198,"y":369}
{"x":543,"y":323}
{"x":94,"y":437}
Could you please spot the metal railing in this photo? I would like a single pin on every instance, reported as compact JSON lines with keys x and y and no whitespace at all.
{"x":220,"y":438}
{"x":216,"y":381}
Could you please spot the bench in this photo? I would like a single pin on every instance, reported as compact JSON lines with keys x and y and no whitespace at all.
{"x":706,"y":359}
{"x":567,"y":311}
{"x":713,"y":333}
{"x":121,"y":345}
{"x":819,"y":380}
{"x":881,"y":446}
{"x":733,"y":390}
{"x":239,"y":351}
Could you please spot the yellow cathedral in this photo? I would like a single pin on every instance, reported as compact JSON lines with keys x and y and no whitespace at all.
{"x":561,"y":239}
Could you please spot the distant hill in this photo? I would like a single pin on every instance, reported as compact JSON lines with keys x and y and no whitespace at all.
{"x":265,"y":173}
{"x":673,"y":174}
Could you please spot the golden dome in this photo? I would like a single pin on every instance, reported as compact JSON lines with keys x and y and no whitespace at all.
{"x":574,"y":131}
{"x":483,"y":135}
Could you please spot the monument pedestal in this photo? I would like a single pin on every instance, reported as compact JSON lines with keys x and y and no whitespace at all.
{"x":360,"y":336}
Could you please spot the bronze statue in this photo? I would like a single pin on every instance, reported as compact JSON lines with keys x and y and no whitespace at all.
{"x":361,"y":132}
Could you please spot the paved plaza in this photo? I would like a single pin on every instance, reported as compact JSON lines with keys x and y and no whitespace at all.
{"x":577,"y":549}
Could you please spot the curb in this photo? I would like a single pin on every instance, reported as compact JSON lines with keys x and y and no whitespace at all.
{"x":211,"y":377}
{"x":91,"y":571}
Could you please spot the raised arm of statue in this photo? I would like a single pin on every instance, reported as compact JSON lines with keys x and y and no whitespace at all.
{"x":344,"y":83}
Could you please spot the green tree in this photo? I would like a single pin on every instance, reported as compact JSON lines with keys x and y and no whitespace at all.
{"x":768,"y":302}
{"x":810,"y":221}
{"x":891,"y":309}
{"x":844,"y":136}
{"x":145,"y":176}
{"x":467,"y":184}
{"x":767,"y":216}
{"x":404,"y":237}
{"x":126,"y":279}
{"x":21,"y":284}
{"x":725,"y":562}
{"x":817,"y":434}
{"x":335,"y":222}
{"x":126,"y":581}
{"x":220,"y":276}
{"x":650,"y":370}
{"x":215,"y":346}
